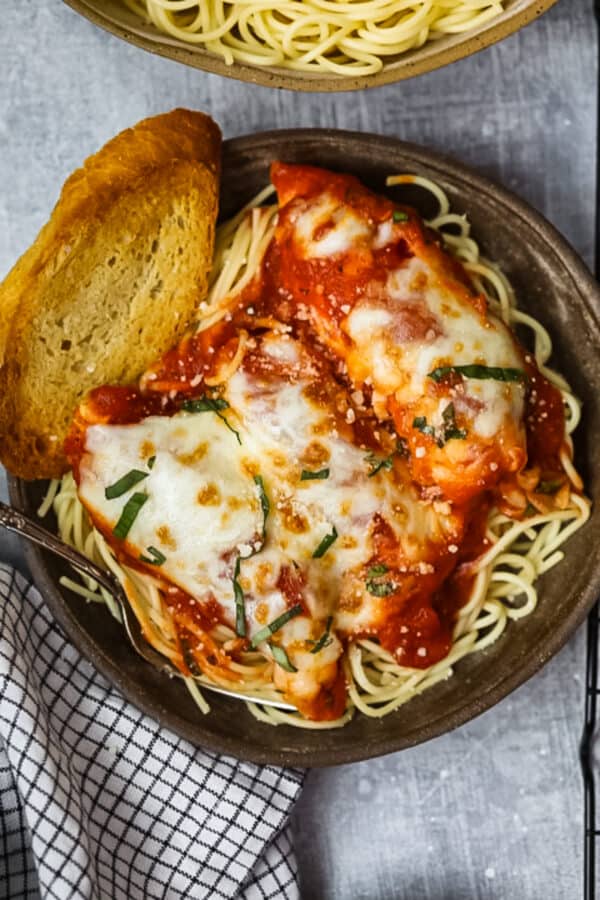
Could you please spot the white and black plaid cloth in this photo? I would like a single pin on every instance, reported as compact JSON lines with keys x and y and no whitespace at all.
{"x":98,"y":801}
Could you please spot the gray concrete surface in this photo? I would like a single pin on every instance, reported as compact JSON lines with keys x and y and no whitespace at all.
{"x":493,"y":810}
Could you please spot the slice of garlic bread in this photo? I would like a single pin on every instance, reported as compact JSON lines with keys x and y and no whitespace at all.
{"x":111,"y":282}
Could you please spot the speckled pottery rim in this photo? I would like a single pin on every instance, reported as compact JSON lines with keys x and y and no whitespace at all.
{"x":431,"y":56}
{"x":553,"y":283}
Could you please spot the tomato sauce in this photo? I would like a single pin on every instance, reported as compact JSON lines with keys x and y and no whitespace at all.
{"x":544,"y":421}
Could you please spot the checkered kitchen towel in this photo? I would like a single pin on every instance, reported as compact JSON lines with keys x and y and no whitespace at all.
{"x":97,"y":801}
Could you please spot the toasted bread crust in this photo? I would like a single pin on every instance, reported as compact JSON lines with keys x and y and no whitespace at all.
{"x":138,"y":218}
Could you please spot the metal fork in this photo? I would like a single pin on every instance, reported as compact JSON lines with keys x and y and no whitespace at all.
{"x":16,"y":521}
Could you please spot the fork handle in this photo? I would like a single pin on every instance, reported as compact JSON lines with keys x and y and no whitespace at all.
{"x":21,"y":524}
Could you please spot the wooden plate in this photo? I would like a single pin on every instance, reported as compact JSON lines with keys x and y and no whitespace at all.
{"x":553,"y":284}
{"x":113,"y":16}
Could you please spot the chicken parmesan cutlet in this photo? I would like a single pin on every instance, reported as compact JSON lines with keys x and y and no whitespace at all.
{"x":316,"y":467}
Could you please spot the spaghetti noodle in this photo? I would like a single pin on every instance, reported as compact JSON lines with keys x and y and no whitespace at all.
{"x":517,"y":551}
{"x":345,"y":37}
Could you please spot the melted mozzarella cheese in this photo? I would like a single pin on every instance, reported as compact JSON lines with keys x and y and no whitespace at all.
{"x":398,"y":355}
{"x":203,"y":509}
{"x":326,"y":228}
{"x":286,"y":427}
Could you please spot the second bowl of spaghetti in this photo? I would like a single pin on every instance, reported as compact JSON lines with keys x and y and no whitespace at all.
{"x":313,"y":45}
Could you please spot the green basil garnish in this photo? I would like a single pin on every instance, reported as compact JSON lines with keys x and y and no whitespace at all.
{"x":451,"y":431}
{"x":420,"y":423}
{"x":281,"y":658}
{"x":447,"y":432}
{"x":307,"y":475}
{"x":375,"y":571}
{"x":379,"y":588}
{"x":400,"y":216}
{"x":211,"y":404}
{"x":548,"y":487}
{"x":129,"y":515}
{"x":326,"y":543}
{"x":275,"y":625}
{"x":264,"y":504}
{"x":378,"y":464}
{"x":325,"y":639}
{"x":124,"y":484}
{"x":156,"y":558}
{"x":205,"y":404}
{"x":240,"y":606}
{"x":494,"y":373}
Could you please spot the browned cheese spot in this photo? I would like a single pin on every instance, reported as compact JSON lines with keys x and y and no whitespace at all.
{"x":147,"y":450}
{"x":250,"y":467}
{"x":263,"y":577}
{"x":316,"y":454}
{"x":292,"y":519}
{"x":278,"y":458}
{"x":189,"y":459}
{"x":261,"y":613}
{"x":209,"y":495}
{"x":164,"y":535}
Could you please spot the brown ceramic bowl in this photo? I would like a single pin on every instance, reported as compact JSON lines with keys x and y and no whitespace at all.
{"x":555,"y":286}
{"x":116,"y":18}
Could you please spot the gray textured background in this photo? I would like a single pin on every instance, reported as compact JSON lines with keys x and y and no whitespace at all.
{"x":493,"y":810}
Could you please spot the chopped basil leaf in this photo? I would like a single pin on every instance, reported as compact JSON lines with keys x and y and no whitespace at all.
{"x":314,"y":476}
{"x":378,"y":464}
{"x":548,"y":487}
{"x":129,"y":515}
{"x":454,"y":434}
{"x":151,"y":462}
{"x":379,"y":569}
{"x":264,"y":504}
{"x":400,"y":216}
{"x":449,"y":415}
{"x":447,"y":432}
{"x":420,"y":423}
{"x":326,"y":543}
{"x":275,"y":625}
{"x":325,"y":639}
{"x":188,"y":658}
{"x":281,"y":658}
{"x":402,"y":448}
{"x":156,"y":558}
{"x":381,"y":588}
{"x":211,"y":404}
{"x":205,"y":404}
{"x":451,"y":432}
{"x":240,"y":606}
{"x":494,"y":373}
{"x":124,"y":484}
